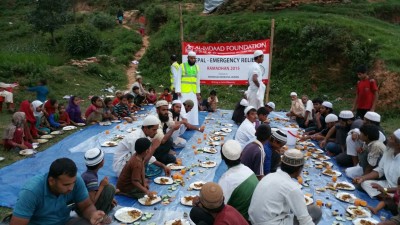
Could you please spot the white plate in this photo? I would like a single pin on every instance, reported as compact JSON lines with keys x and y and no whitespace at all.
{"x":209,"y":118}
{"x":116,"y":121}
{"x":215,"y":138}
{"x":47,"y":136}
{"x":315,"y":150}
{"x":123,"y":216}
{"x":320,"y":157}
{"x":69,"y":127}
{"x":208,"y":164}
{"x":323,"y":163}
{"x":27,"y":152}
{"x":210,"y":150}
{"x":107,"y":123}
{"x":187,"y":203}
{"x":358,"y":221}
{"x":41,"y":141}
{"x":214,"y":143}
{"x":174,"y":166}
{"x":363,"y":213}
{"x":337,"y":173}
{"x":183,"y":221}
{"x":150,"y":104}
{"x":226,"y":130}
{"x":228,"y":125}
{"x":193,"y":185}
{"x":307,"y":143}
{"x":309,"y":200}
{"x":56,"y":132}
{"x":2,"y":158}
{"x":129,"y":130}
{"x":35,"y":145}
{"x":350,"y":200}
{"x":154,"y":201}
{"x":220,"y":133}
{"x":109,"y":144}
{"x":81,"y":124}
{"x":157,"y":180}
{"x":351,"y":188}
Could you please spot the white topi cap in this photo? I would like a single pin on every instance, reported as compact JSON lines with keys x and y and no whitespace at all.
{"x":258,"y":53}
{"x":192,"y":53}
{"x":327,"y":104}
{"x":293,"y":93}
{"x":271,"y":104}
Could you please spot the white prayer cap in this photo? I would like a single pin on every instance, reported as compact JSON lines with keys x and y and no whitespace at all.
{"x":176,"y":102}
{"x":331,"y":118}
{"x":346,"y":114}
{"x":293,"y":93}
{"x":138,"y":77}
{"x":293,"y":157}
{"x":279,"y":135}
{"x":192,"y":53}
{"x":151,"y":120}
{"x":244,"y":102}
{"x":161,"y":103}
{"x":247,"y":109}
{"x":258,"y":53}
{"x":373,"y":116}
{"x":397,"y":134}
{"x":94,"y":156}
{"x":327,"y":104}
{"x":232,"y":150}
{"x":271,"y":104}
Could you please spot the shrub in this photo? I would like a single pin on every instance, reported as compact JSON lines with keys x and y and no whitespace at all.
{"x":156,"y":16}
{"x":102,"y":21}
{"x":82,"y":41}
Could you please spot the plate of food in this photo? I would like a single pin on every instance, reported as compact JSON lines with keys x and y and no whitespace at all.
{"x":197,"y":185}
{"x":81,"y":124}
{"x":309,"y":200}
{"x":106,"y":123}
{"x":323,"y":164}
{"x":208,"y":164}
{"x":115,"y":121}
{"x":210,"y":150}
{"x":358,"y":211}
{"x":130,"y":130}
{"x":226,"y":130}
{"x":109,"y":144}
{"x":163,"y":180}
{"x":41,"y":141}
{"x":187,"y":200}
{"x":228,"y":125}
{"x":320,"y":157}
{"x":345,"y":186}
{"x":331,"y":173}
{"x":47,"y":136}
{"x":146,"y":200}
{"x":365,"y":221}
{"x":214,"y":143}
{"x":315,"y":150}
{"x":215,"y":138}
{"x":26,"y":152}
{"x":56,"y":132}
{"x":128,"y":214}
{"x":220,"y":133}
{"x":69,"y":127}
{"x":177,"y":222}
{"x":345,"y":197}
{"x":174,"y":166}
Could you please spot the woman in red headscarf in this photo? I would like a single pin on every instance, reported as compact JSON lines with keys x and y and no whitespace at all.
{"x":30,"y":127}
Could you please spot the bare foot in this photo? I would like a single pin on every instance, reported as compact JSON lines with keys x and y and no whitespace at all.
{"x":373,"y":210}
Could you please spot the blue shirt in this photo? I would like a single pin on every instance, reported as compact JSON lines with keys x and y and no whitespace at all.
{"x":39,"y":205}
{"x":91,"y":180}
{"x":41,"y":92}
{"x":268,"y":155}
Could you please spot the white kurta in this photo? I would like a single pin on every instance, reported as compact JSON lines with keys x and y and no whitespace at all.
{"x":276,"y":200}
{"x":245,"y":133}
{"x":232,"y":178}
{"x":255,"y":94}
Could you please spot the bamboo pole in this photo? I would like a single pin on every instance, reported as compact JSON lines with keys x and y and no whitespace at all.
{"x":271,"y":47}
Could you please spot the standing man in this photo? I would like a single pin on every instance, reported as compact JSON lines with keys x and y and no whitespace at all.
{"x":256,"y":90}
{"x":367,"y":93}
{"x":174,"y":73}
{"x":188,"y":85}
{"x":49,"y":198}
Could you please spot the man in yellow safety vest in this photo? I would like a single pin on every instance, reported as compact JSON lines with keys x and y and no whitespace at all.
{"x":174,"y":73}
{"x":188,"y":85}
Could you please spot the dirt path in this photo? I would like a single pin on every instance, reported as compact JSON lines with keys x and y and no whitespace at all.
{"x":131,"y":71}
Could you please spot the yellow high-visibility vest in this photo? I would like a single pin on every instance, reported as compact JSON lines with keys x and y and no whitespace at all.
{"x":189,"y":78}
{"x":176,"y":66}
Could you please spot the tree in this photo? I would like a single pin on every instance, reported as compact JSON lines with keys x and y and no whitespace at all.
{"x":50,"y":15}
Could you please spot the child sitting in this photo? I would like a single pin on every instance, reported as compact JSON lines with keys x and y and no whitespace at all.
{"x":165,"y":95}
{"x":137,"y":97}
{"x":14,"y":134}
{"x":151,"y":97}
{"x":30,"y":125}
{"x":41,"y":122}
{"x":101,"y":195}
{"x":389,"y":203}
{"x":108,"y":112}
{"x":212,"y":101}
{"x":132,"y":181}
{"x":50,"y":107}
{"x":118,"y":95}
{"x":74,"y":110}
{"x":60,"y":118}
{"x":122,"y":108}
{"x":94,"y":113}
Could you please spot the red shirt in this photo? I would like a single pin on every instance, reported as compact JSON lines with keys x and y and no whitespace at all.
{"x":167,"y":97}
{"x":115,"y":101}
{"x":366,"y":93}
{"x":229,"y":216}
{"x":49,"y":108}
{"x":89,"y":110}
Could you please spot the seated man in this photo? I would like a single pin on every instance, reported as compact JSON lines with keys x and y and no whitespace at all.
{"x":308,"y":115}
{"x":245,"y":132}
{"x":389,"y":166}
{"x":270,"y":106}
{"x":49,"y":198}
{"x":278,"y":198}
{"x":297,"y":110}
{"x":238,"y":113}
{"x":273,"y":150}
{"x":262,"y":115}
{"x":238,"y":182}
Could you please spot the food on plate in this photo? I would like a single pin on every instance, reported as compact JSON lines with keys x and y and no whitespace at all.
{"x":149,"y":199}
{"x":189,"y":198}
{"x":346,"y":197}
{"x":177,"y":222}
{"x":343,"y":186}
{"x":329,"y":172}
{"x":111,"y":144}
{"x":366,"y":222}
{"x":164,"y":180}
{"x":198,"y":185}
{"x":134,"y":214}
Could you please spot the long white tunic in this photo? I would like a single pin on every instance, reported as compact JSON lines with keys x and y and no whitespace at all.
{"x":255,"y":94}
{"x":245,"y":133}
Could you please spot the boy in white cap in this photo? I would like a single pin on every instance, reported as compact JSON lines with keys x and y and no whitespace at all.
{"x":238,"y":182}
{"x":270,"y":106}
{"x":247,"y":129}
{"x":278,"y":199}
{"x":256,"y":90}
{"x":330,"y":121}
{"x":187,"y":85}
{"x":102,"y":195}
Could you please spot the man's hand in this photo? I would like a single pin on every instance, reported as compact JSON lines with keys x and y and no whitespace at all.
{"x":358,"y":180}
{"x":322,"y":143}
{"x":377,"y":187}
{"x":97,"y":217}
{"x":176,"y":126}
{"x":104,"y":182}
{"x":359,"y":150}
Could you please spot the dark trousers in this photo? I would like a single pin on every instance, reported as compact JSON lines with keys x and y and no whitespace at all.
{"x":105,"y":200}
{"x":162,"y":153}
{"x":361,"y":113}
{"x":344,"y":160}
{"x":201,"y":217}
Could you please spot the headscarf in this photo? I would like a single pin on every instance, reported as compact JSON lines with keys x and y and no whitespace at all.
{"x":36,"y":104}
{"x":26,"y":108}
{"x":74,"y":111}
{"x":18,"y":120}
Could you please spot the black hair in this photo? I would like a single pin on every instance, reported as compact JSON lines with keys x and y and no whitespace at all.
{"x":107,"y":100}
{"x":373,"y":122}
{"x":148,"y":127}
{"x":60,"y":105}
{"x":317,"y":100}
{"x":263,"y":132}
{"x":173,"y":57}
{"x":290,"y":169}
{"x":251,"y":110}
{"x":43,"y":82}
{"x":94,"y":167}
{"x":129,"y":96}
{"x":213,"y":92}
{"x":63,"y":166}
{"x":262,"y":111}
{"x":141,"y":145}
{"x":361,"y":69}
{"x":166,"y":89}
{"x":228,"y":162}
{"x":53,"y":101}
{"x":151,"y":88}
{"x":330,"y":110}
{"x":135,"y":88}
{"x":255,"y":58}
{"x":94,"y":99}
{"x":371,"y":131}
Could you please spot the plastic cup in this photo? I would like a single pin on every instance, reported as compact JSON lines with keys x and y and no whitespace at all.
{"x":117,"y":126}
{"x":183,"y":171}
{"x":319,"y":202}
{"x":194,"y":146}
{"x":222,"y":138}
{"x":334,"y":178}
{"x":357,"y":202}
{"x":300,"y":179}
{"x":107,"y":132}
